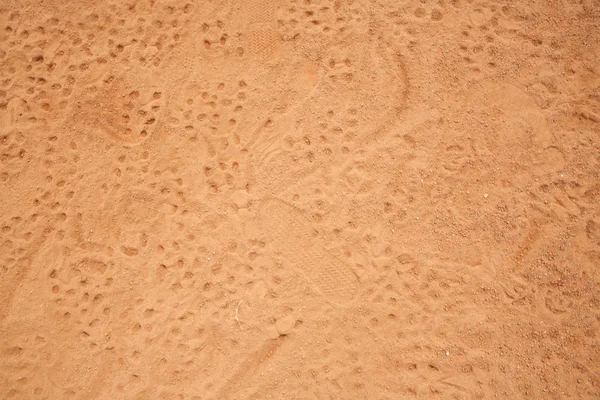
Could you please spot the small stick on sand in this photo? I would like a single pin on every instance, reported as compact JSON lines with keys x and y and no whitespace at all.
{"x":236,"y":315}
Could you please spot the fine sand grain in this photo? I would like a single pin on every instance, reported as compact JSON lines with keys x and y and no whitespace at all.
{"x":299,"y":199}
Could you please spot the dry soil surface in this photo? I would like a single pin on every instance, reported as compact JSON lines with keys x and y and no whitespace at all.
{"x":299,"y":199}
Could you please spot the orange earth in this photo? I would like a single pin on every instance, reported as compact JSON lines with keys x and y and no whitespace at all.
{"x":300,"y":199}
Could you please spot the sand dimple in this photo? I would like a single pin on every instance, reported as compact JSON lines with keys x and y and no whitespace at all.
{"x":264,"y":199}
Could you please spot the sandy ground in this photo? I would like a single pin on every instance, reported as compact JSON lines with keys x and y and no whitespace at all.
{"x":303,"y":199}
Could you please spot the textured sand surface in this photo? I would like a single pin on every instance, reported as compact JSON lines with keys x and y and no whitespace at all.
{"x":299,"y":199}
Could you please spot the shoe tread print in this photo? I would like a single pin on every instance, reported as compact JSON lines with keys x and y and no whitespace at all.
{"x":263,"y":37}
{"x":289,"y":231}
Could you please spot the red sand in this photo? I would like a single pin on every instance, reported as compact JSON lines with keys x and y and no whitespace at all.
{"x":306,"y":199}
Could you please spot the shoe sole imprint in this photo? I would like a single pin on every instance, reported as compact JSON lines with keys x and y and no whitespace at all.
{"x":263,"y":41}
{"x":290,"y":232}
{"x":263,"y":36}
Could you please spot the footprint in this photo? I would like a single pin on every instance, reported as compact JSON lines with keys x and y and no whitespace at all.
{"x":556,"y":302}
{"x":123,"y":114}
{"x":263,"y":41}
{"x":289,"y":231}
{"x":261,"y":11}
{"x":12,"y":275}
{"x":263,"y":35}
{"x":250,"y":367}
{"x":480,"y":16}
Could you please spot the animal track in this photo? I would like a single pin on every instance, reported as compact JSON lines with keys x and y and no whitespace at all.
{"x":13,"y":156}
{"x":137,"y":139}
{"x":346,"y":70}
{"x":77,"y":288}
{"x":215,"y":37}
{"x":210,"y":116}
{"x":289,"y":231}
{"x":301,"y":16}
